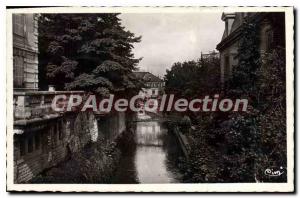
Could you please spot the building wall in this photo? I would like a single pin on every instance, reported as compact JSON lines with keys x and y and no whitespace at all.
{"x":228,"y":60}
{"x":268,"y":30}
{"x":25,"y":51}
{"x":152,"y":89}
{"x":149,"y":92}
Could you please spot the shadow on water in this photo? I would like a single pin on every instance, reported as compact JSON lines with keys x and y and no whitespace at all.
{"x":150,"y":157}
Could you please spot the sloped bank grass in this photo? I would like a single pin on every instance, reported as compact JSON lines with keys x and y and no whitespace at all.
{"x":203,"y":163}
{"x":234,"y":148}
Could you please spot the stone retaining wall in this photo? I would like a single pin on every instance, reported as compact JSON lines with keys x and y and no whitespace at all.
{"x":44,"y":144}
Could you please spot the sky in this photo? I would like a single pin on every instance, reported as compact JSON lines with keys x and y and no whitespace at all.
{"x":172,"y":37}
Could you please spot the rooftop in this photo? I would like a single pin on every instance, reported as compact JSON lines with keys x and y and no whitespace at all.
{"x":147,"y":76}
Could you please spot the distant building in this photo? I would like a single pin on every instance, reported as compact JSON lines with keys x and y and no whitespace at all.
{"x":25,"y":52}
{"x":154,"y":86}
{"x":272,"y":32}
{"x":210,"y":56}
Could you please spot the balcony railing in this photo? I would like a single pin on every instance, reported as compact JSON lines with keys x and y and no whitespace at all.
{"x":36,"y":104}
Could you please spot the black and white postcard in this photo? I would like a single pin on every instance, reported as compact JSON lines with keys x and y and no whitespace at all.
{"x":150,"y":99}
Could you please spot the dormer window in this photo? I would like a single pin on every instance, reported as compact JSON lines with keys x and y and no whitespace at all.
{"x":228,"y":18}
{"x":226,"y":28}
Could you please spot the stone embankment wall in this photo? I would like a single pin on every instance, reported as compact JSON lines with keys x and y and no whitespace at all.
{"x":47,"y":144}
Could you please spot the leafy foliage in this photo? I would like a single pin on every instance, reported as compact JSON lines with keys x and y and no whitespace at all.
{"x":238,"y":146}
{"x":91,"y":52}
{"x":244,"y":74}
{"x":193,"y":78}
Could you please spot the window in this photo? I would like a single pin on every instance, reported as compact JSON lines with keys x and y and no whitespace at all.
{"x":18,"y":24}
{"x":269,"y":40}
{"x":18,"y":71}
{"x":244,"y":14}
{"x":37,"y":141}
{"x":30,"y":144}
{"x":22,"y":147}
{"x":226,"y":67}
{"x":55,"y":135}
{"x":60,"y":134}
{"x":226,"y":28}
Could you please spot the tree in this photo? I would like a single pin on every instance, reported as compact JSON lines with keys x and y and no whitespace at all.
{"x":90,"y":52}
{"x":181,"y":77}
{"x":193,"y":78}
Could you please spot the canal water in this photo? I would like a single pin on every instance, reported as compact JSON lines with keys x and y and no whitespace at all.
{"x":152,"y":156}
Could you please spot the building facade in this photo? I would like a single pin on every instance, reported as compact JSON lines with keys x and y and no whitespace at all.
{"x":210,"y":56}
{"x":25,"y":51}
{"x":154,"y":86}
{"x":271,"y":34}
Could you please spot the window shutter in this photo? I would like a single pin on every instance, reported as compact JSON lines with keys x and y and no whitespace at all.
{"x":18,"y":24}
{"x":18,"y":71}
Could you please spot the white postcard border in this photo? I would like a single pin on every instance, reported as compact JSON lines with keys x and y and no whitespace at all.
{"x":201,"y":187}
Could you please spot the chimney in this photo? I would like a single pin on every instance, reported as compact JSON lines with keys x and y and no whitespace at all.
{"x":228,"y":18}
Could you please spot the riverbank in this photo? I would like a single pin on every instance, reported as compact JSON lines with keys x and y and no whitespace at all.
{"x":96,"y":162}
{"x":201,"y":160}
{"x":93,"y":164}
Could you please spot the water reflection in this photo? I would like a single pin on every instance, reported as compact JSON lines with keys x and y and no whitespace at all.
{"x":149,"y":134}
{"x":153,"y":159}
